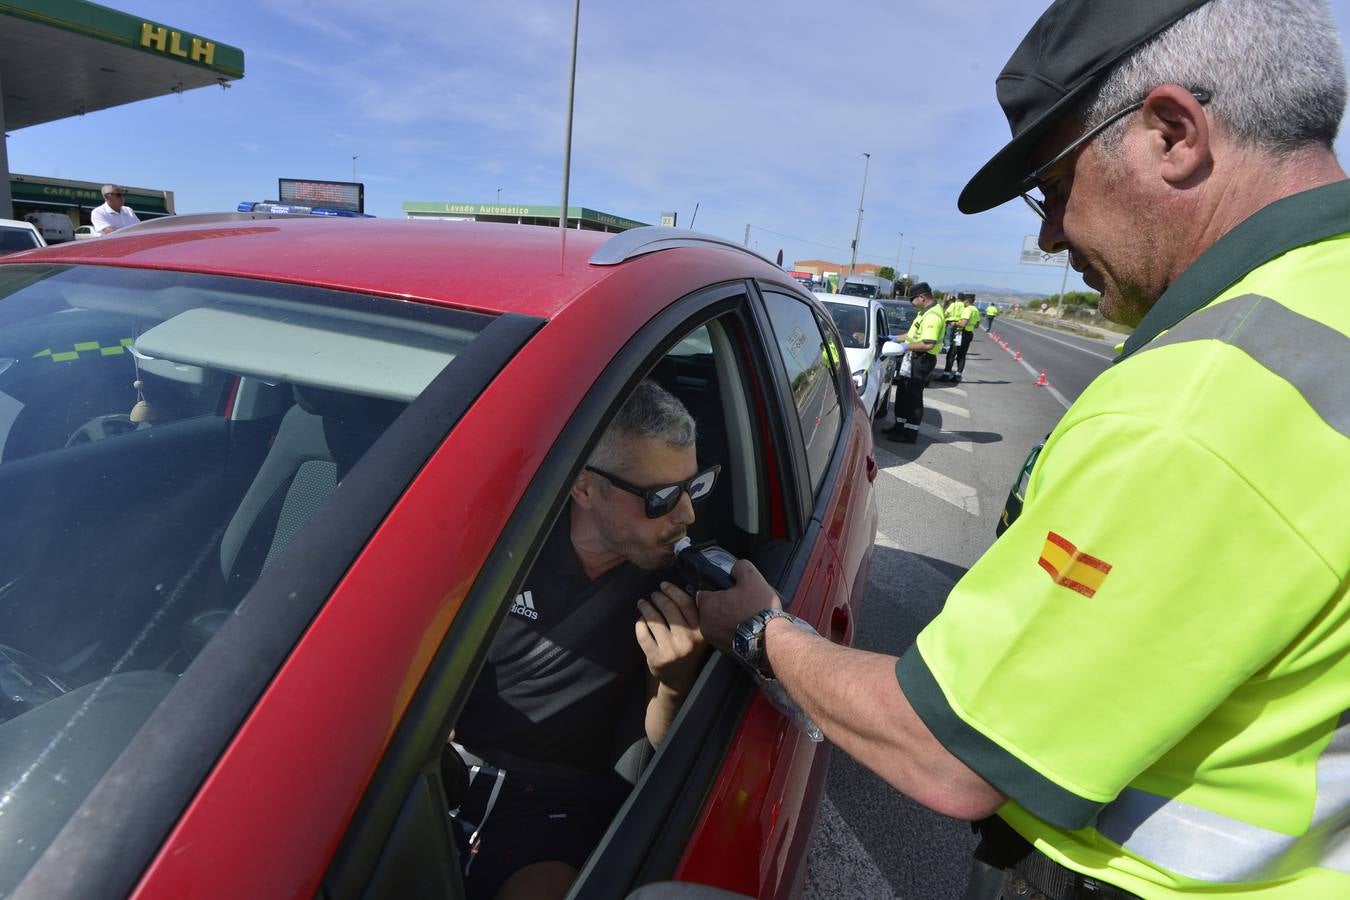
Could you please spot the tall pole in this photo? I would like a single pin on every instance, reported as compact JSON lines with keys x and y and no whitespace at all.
{"x":747,"y":234}
{"x":1064,"y":280}
{"x":353,"y":169}
{"x":857,"y":229}
{"x":898,"y":247}
{"x":567,"y":137}
{"x":499,"y":196}
{"x":910,"y":273}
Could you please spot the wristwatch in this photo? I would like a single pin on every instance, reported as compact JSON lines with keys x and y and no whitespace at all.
{"x":747,"y":644}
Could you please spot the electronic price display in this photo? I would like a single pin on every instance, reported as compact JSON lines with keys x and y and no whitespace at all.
{"x":346,"y":195}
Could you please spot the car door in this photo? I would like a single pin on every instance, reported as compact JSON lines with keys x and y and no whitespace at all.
{"x":396,"y":843}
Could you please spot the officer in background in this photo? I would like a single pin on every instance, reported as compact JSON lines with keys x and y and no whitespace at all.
{"x":951,"y":314}
{"x":922,"y":342}
{"x":990,"y":312}
{"x":964,"y":326}
{"x":1155,"y":705}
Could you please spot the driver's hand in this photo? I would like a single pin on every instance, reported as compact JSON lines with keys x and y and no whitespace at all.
{"x":721,"y":611}
{"x":668,"y":632}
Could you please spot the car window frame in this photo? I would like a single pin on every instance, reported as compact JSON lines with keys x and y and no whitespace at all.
{"x":640,"y":839}
{"x":100,"y":851}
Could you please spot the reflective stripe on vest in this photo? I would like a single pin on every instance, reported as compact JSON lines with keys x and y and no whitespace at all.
{"x":1204,"y":845}
{"x":1304,"y":352}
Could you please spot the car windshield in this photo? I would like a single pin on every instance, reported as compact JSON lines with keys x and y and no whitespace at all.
{"x":163,"y":438}
{"x":851,"y":322}
{"x":13,"y":239}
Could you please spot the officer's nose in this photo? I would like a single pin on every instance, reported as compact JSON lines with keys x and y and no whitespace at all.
{"x":683,"y":514}
{"x":1052,"y":238}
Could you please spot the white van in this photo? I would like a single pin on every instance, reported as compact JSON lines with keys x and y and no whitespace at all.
{"x":54,"y":227}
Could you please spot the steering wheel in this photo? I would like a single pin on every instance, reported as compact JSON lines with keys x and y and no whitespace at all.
{"x":26,"y":683}
{"x":100,"y":427}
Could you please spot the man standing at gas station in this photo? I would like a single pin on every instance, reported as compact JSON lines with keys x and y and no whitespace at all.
{"x":114,"y":213}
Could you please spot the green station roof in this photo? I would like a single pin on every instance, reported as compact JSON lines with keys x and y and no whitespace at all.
{"x":68,"y":57}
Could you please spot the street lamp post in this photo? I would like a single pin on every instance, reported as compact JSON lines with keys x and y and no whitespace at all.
{"x":911,"y":261}
{"x":857,"y":229}
{"x":499,"y":196}
{"x":898,"y":247}
{"x":353,"y":169}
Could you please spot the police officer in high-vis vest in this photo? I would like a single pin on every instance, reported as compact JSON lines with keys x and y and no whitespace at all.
{"x":921,"y":343}
{"x":1147,"y":677}
{"x":990,"y":312}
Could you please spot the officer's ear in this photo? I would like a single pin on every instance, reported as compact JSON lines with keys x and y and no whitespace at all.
{"x":585,"y":489}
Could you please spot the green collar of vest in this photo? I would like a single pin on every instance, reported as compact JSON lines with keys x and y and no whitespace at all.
{"x":1294,"y":221}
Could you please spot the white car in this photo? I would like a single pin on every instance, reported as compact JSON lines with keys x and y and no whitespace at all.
{"x":16,"y":235}
{"x":85,"y":232}
{"x":862,"y":324}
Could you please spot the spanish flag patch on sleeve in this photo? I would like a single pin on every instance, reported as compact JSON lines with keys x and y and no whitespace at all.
{"x":1070,"y":567}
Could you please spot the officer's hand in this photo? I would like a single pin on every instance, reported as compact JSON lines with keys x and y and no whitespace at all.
{"x":668,"y":632}
{"x":721,"y":611}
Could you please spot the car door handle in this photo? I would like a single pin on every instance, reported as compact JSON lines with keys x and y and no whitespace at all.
{"x":839,"y":623}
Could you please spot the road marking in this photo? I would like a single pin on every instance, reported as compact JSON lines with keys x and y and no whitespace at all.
{"x":946,"y":437}
{"x":841,"y":867}
{"x":1063,"y":401}
{"x":929,"y":402}
{"x":1065,"y":343}
{"x":949,"y":490}
{"x":960,"y":392}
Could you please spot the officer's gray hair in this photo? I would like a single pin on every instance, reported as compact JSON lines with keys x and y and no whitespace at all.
{"x":1274,"y":67}
{"x":649,"y":412}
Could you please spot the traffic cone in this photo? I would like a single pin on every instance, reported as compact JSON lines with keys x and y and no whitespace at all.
{"x":1041,"y":382}
{"x":1017,"y":357}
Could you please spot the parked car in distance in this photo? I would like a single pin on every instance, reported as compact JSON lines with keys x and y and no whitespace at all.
{"x":85,"y":232}
{"x":899,"y":316}
{"x":265,"y":517}
{"x":16,"y":235}
{"x":863,"y":326}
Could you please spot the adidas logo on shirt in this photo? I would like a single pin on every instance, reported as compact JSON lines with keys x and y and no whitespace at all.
{"x":523,"y":605}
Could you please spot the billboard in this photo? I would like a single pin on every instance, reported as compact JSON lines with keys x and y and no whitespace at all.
{"x":346,"y":195}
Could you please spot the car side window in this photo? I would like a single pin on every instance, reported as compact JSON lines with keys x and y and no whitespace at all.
{"x":810,"y":355}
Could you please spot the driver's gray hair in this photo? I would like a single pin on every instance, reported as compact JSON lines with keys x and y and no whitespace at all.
{"x":108,"y":189}
{"x":649,"y":412}
{"x":1274,"y":67}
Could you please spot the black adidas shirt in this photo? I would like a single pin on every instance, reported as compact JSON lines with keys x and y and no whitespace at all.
{"x":565,"y":670}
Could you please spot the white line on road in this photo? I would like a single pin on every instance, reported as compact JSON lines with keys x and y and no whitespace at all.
{"x":960,"y":392}
{"x":1063,"y":401}
{"x":841,"y":867}
{"x":946,"y":437}
{"x":1065,"y":343}
{"x":949,"y":490}
{"x":929,"y":402}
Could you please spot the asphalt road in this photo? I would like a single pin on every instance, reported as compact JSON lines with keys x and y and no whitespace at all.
{"x":939,"y":501}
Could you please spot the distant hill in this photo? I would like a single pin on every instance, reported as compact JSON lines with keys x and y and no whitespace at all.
{"x":990,"y":290}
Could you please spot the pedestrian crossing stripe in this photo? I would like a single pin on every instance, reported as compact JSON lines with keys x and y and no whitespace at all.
{"x":85,"y":347}
{"x":1072,"y":568}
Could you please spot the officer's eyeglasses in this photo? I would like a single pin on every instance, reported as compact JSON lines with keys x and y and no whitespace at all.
{"x":1035,"y":181}
{"x":661,"y":500}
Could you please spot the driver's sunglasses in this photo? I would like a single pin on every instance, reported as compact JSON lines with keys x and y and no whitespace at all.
{"x":661,"y":500}
{"x":1034,"y":180}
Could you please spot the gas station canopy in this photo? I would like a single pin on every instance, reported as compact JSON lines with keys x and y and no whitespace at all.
{"x":61,"y":58}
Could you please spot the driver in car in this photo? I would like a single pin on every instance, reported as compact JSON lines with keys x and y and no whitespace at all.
{"x":590,"y":644}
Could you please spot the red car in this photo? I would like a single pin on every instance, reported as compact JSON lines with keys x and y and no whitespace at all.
{"x":270,"y":486}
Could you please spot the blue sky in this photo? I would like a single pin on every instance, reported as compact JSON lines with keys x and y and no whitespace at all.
{"x":759,"y":111}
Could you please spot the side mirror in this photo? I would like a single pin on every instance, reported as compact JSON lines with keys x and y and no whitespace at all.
{"x":891,"y":349}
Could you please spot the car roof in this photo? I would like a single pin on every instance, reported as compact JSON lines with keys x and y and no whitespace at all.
{"x":487,"y":267}
{"x":16,"y":223}
{"x":846,"y":299}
